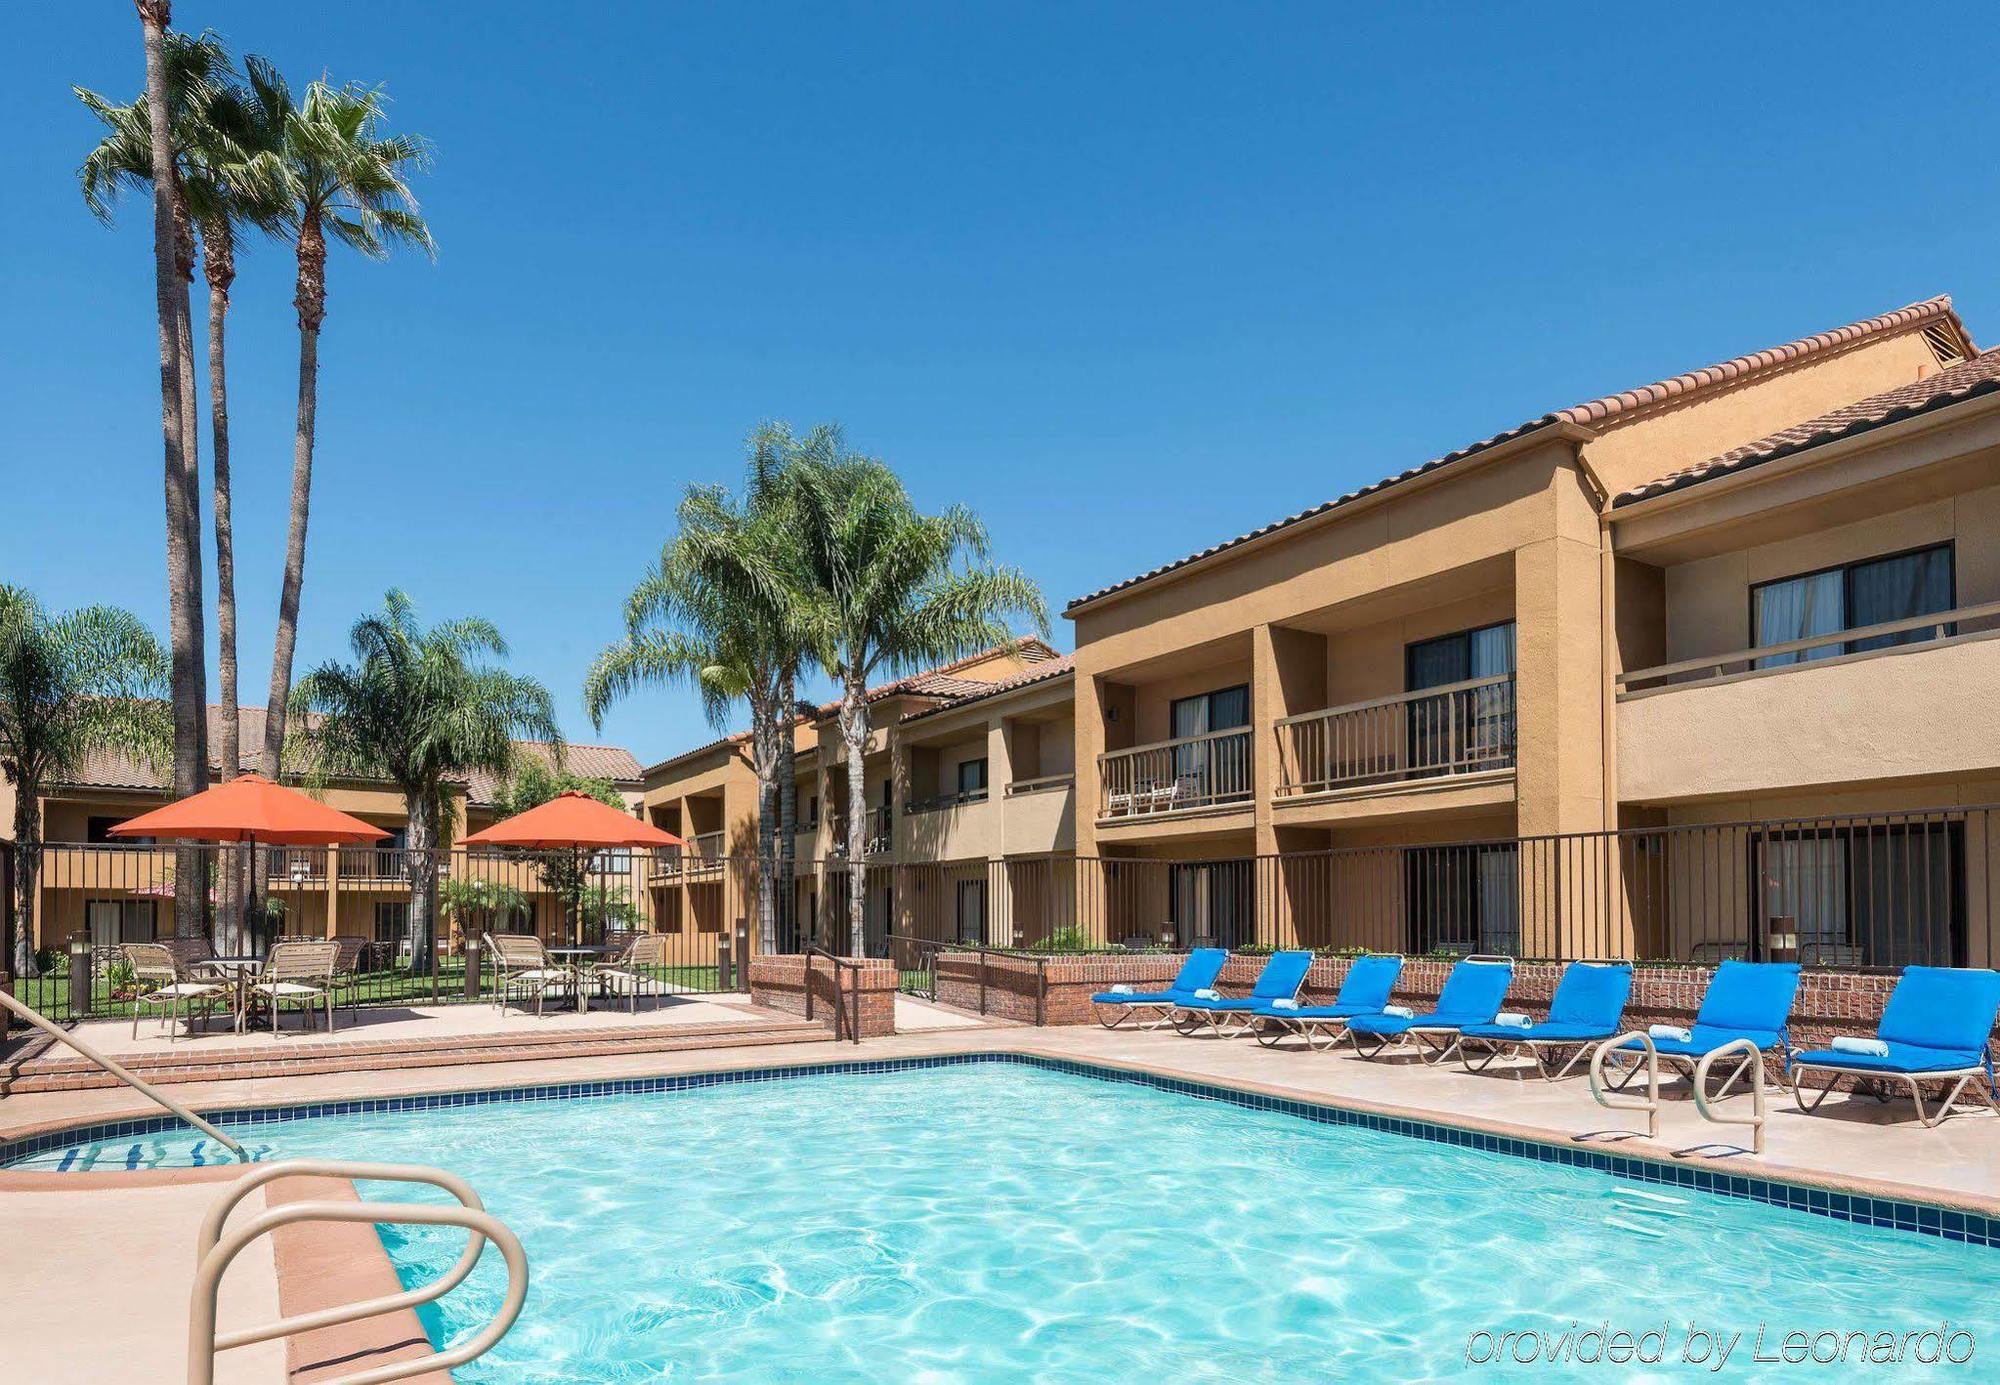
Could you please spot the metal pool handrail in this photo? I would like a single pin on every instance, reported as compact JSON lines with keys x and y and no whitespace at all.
{"x":1615,"y":1101}
{"x":854,"y":1025}
{"x":1755,"y":1062}
{"x":119,"y":1071}
{"x":216,"y":1251}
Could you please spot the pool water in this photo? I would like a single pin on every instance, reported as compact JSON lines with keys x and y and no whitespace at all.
{"x":998,"y":1222}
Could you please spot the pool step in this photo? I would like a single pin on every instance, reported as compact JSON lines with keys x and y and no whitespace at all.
{"x":286,"y":1058}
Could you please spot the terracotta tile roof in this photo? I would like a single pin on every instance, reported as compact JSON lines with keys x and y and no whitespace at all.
{"x":1966,"y":380}
{"x":1043,"y":672}
{"x":940,"y":682}
{"x":110,"y":769}
{"x":1594,"y":414}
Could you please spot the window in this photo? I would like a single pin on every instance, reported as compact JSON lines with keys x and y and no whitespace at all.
{"x":972,"y":778}
{"x":517,"y":920}
{"x":1472,"y":729}
{"x":1210,"y":770}
{"x":972,"y":910}
{"x":97,"y":832}
{"x":1897,"y":587}
{"x":1883,"y":896}
{"x":1463,"y":899}
{"x":1211,"y":904}
{"x":113,"y":921}
{"x":392,"y":922}
{"x":812,"y":811}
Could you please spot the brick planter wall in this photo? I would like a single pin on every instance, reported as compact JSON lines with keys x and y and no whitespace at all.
{"x":780,"y":982}
{"x":1828,"y":1003}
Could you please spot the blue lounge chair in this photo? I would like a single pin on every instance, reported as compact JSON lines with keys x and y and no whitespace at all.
{"x":1281,"y":978}
{"x":1471,"y":995}
{"x":1197,"y":973}
{"x":1588,"y":1007}
{"x":1935,"y":1028}
{"x":1745,"y":1000}
{"x":1363,"y":991}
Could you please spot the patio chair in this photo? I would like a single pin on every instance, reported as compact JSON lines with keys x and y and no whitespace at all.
{"x":1471,"y":995}
{"x":632,"y":974}
{"x":1588,"y":1007}
{"x":1934,"y":1029}
{"x":523,"y":968}
{"x":1280,"y":980}
{"x":1198,"y":973}
{"x":177,"y":987}
{"x":1364,"y":990}
{"x":1745,"y":1000}
{"x":301,"y":973}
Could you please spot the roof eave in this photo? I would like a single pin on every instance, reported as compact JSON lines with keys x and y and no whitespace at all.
{"x":1541,"y":434}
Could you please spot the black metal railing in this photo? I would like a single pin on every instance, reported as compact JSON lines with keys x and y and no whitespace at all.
{"x":1848,"y":891}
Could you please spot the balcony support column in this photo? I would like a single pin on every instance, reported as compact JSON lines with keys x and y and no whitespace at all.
{"x":1559,"y":766}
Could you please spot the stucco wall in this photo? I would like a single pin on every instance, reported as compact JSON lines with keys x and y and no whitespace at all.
{"x":1908,"y":712}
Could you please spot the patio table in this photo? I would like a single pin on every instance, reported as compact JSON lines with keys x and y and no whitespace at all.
{"x":240,"y":972}
{"x":578,"y":960}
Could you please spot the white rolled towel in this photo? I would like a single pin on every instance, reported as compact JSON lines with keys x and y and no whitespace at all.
{"x":1284,"y":1002}
{"x":1121,"y":989}
{"x":1208,"y":993}
{"x":1513,"y":1019}
{"x":1670,"y":1031}
{"x":1401,"y":1012}
{"x":1849,"y":1043}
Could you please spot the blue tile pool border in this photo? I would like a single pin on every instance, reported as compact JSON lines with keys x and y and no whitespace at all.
{"x":1921,"y":1218}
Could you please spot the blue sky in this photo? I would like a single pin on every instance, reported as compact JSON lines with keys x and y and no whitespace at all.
{"x":1189,"y":268}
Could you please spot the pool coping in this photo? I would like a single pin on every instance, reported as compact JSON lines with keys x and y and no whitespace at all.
{"x":1950,"y":1214}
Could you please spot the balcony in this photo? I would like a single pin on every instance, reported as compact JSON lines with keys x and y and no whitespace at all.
{"x":1179,"y":775}
{"x":703,"y":855}
{"x":369,"y":863}
{"x":944,"y":800}
{"x":1458,"y":729}
{"x":1902,"y":699}
{"x":880,"y":826}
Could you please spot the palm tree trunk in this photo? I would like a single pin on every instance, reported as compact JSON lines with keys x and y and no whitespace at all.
{"x":764,"y":755}
{"x":184,"y":623}
{"x":421,"y":869}
{"x":854,"y":736}
{"x":27,"y":849}
{"x":219,"y":264}
{"x":788,"y":813}
{"x":310,"y":300}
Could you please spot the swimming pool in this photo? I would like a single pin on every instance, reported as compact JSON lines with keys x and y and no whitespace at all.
{"x":1003,"y":1221}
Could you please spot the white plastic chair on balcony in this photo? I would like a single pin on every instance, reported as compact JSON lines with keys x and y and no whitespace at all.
{"x":176,"y":989}
{"x":301,"y":973}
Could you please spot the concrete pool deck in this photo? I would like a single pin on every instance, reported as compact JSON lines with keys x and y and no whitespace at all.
{"x":1850,"y":1145}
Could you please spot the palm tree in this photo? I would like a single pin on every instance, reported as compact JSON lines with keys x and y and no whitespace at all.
{"x":423,"y":707}
{"x":340,"y":176}
{"x":889,"y":591}
{"x":717,"y":611}
{"x":172,"y":269}
{"x":217,"y":132}
{"x":69,"y":684}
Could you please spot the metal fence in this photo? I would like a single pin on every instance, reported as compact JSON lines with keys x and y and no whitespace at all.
{"x":1853,"y":892}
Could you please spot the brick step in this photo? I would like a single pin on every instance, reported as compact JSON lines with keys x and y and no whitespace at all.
{"x":299,"y":1063}
{"x":52,"y":1059}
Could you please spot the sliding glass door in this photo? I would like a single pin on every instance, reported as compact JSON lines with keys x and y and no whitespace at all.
{"x":1900,"y":586}
{"x":1886,"y":896}
{"x":1466,"y":730}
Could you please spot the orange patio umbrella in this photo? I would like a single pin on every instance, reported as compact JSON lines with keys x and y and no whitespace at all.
{"x":575,"y":821}
{"x":250,"y":808}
